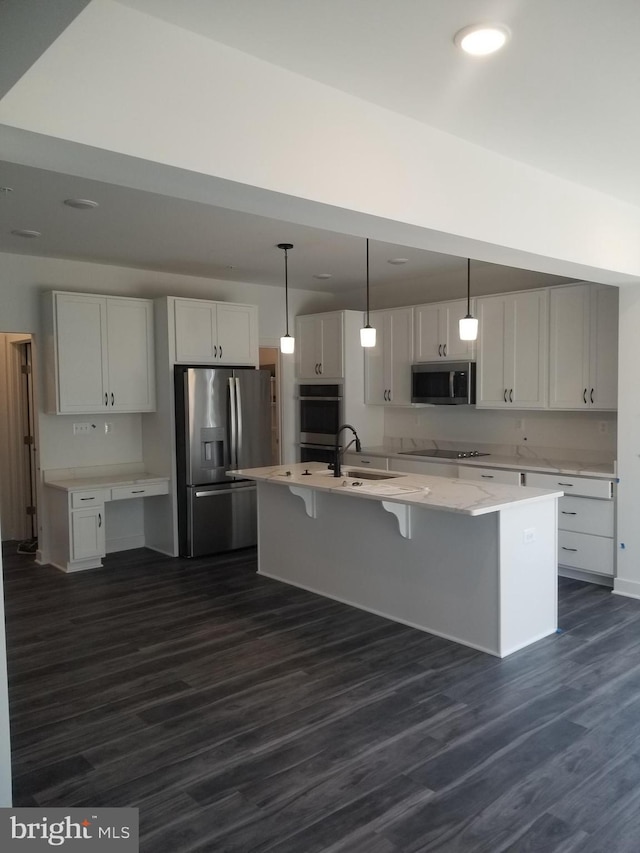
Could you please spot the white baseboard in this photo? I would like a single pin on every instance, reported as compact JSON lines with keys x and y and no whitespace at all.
{"x":630,"y":589}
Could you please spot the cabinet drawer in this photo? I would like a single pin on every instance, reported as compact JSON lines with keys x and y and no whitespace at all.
{"x":585,"y":515}
{"x":88,"y":498}
{"x":379,"y":462}
{"x":583,"y":551}
{"x":490,"y":475}
{"x":120,"y":493}
{"x":585,"y":486}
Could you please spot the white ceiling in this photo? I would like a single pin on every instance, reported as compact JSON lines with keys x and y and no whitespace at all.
{"x":562,"y":96}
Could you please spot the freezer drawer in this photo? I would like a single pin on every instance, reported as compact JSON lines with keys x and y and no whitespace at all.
{"x":219,"y":518}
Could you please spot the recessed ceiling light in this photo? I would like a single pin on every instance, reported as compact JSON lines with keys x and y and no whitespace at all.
{"x":482,"y":39}
{"x":26,"y":232}
{"x":398,"y":261}
{"x":81,"y":203}
{"x":323,"y":276}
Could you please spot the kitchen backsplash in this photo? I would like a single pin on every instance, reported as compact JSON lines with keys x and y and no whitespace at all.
{"x":523,"y":432}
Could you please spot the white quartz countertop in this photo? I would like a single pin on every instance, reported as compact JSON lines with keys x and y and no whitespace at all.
{"x":438,"y":493}
{"x":542,"y":464}
{"x":72,"y":483}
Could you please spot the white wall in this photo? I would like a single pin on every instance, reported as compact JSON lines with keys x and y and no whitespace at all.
{"x":553,"y":430}
{"x":317,"y":156}
{"x":628,"y":526}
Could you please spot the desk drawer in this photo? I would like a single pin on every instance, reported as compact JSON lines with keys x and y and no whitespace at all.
{"x":583,"y":551}
{"x":121,"y":493}
{"x":584,"y":486}
{"x":88,"y":498}
{"x":585,"y":515}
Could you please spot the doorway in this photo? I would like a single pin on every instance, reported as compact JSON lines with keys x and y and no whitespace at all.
{"x":270,"y":360}
{"x":18,"y":452}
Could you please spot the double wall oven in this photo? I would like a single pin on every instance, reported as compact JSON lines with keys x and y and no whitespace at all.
{"x":319,"y":416}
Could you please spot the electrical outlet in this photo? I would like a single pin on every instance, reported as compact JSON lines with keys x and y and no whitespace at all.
{"x":83,"y":429}
{"x":108,"y":427}
{"x":603,"y":427}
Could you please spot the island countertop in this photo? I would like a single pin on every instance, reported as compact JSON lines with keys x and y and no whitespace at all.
{"x":438,"y":493}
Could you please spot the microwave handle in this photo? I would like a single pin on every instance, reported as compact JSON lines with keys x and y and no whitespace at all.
{"x":451,"y":375}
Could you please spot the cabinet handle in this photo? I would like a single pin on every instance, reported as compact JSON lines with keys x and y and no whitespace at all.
{"x":568,"y":549}
{"x":220,"y":350}
{"x":440,"y":349}
{"x":591,"y":395}
{"x":444,"y":350}
{"x":570,"y":485}
{"x":316,"y":368}
{"x":87,"y":499}
{"x":215,"y":350}
{"x":106,"y":399}
{"x":564,"y":512}
{"x":511,"y":395}
{"x":487,"y":476}
{"x":505,"y":395}
{"x":137,"y":491}
{"x":389,"y":397}
{"x":99,"y":519}
{"x":112,"y":398}
{"x":584,"y":395}
{"x":320,"y":368}
{"x":365,"y":462}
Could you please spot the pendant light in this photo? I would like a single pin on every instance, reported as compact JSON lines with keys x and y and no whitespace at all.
{"x":367,"y":334}
{"x":468,"y":325}
{"x":287,"y":343}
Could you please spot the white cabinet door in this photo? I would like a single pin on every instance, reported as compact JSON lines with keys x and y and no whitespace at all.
{"x":491,"y":379}
{"x":320,"y":346}
{"x":331,"y":337}
{"x":87,"y":533}
{"x":81,"y":345}
{"x":215,"y":332}
{"x":130,"y":355}
{"x":237,"y":334}
{"x":512,"y":354}
{"x":308,"y":347}
{"x":584,"y":347}
{"x":569,"y":347}
{"x":196,"y":331}
{"x":529,"y":313}
{"x":603,"y":362}
{"x":388,"y":364}
{"x":437,"y":333}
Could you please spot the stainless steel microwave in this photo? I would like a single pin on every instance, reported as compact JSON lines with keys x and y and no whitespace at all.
{"x":444,"y":383}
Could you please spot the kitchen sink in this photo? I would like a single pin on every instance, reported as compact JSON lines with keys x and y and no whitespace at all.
{"x":369,"y":475}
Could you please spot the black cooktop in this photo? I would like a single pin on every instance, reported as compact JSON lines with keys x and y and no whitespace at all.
{"x":445,"y":454}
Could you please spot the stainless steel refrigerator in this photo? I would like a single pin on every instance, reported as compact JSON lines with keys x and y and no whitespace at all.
{"x":223,"y":422}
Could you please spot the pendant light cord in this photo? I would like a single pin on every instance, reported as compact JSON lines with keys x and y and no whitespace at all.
{"x":367,"y":281}
{"x":468,"y":287}
{"x":286,"y":290}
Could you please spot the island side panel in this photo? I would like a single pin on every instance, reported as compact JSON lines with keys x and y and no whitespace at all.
{"x":443,"y":580}
{"x":528,"y":574}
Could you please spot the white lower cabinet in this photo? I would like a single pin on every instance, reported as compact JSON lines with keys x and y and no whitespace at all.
{"x":585,"y":522}
{"x":490,"y":475}
{"x":87,"y":533}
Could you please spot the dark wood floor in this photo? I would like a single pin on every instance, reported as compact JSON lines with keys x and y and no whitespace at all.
{"x":239,"y":714}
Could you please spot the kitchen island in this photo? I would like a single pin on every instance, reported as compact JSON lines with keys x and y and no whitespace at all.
{"x":469,"y":561}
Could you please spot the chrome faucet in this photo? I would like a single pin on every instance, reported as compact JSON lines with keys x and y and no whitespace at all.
{"x":338,"y":454}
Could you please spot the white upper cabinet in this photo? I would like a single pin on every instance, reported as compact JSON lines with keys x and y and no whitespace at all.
{"x":320,"y":346}
{"x":513,"y":350}
{"x":584,"y":347}
{"x":437,"y":335}
{"x":388,"y":364}
{"x":101,"y":354}
{"x":215,"y":332}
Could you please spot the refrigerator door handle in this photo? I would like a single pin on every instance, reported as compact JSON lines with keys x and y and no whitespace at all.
{"x":239,"y":416}
{"x":234,"y":423}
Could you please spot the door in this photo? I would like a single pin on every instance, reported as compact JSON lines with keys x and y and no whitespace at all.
{"x":81,"y":355}
{"x":331,"y":362}
{"x":569,"y":347}
{"x":529,"y":348}
{"x":220,"y":518}
{"x":493,"y":322}
{"x":87,"y":533}
{"x":308,"y":347}
{"x":604,"y":348}
{"x":130,"y":350}
{"x":203,"y":417}
{"x":195,"y":330}
{"x":252,"y":393}
{"x":237,"y":334}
